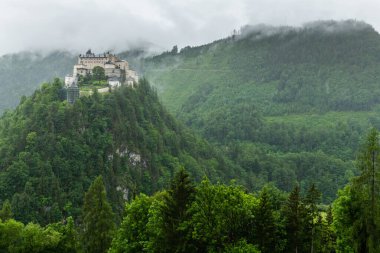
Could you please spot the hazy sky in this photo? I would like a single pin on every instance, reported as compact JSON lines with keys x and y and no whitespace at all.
{"x":103,"y":24}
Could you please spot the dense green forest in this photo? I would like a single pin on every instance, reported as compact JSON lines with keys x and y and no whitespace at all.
{"x":282,"y":112}
{"x":283,"y":102}
{"x":215,"y":217}
{"x":51,"y":150}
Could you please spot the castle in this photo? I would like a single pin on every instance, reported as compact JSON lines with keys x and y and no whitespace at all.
{"x":117,"y":72}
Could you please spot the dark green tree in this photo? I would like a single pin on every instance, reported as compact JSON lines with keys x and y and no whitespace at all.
{"x":174,"y":50}
{"x":98,"y":74}
{"x":174,"y":210}
{"x":293,"y":214}
{"x":69,"y":240}
{"x":98,"y":219}
{"x":366,"y":193}
{"x":265,"y":224}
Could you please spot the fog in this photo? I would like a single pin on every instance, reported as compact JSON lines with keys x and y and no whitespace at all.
{"x":76,"y":25}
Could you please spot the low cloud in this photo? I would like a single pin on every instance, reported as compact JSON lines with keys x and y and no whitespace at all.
{"x":77,"y":25}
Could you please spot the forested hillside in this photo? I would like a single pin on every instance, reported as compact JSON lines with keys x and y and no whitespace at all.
{"x":51,"y":150}
{"x":285,"y":104}
{"x":208,"y":217}
{"x":289,"y":97}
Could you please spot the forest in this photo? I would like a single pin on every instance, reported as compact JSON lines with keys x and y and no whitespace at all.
{"x":284,"y":102}
{"x":51,"y":151}
{"x":188,"y":216}
{"x":273,"y":146}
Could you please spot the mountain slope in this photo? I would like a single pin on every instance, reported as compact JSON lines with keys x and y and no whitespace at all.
{"x":279,"y":92}
{"x":51,"y":151}
{"x":321,"y":67}
{"x":286,"y":104}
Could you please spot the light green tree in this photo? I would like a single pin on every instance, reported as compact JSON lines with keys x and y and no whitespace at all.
{"x":132,"y":236}
{"x":221,"y":216}
{"x":6,"y":211}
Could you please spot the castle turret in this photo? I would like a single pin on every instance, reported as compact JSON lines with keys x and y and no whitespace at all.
{"x":72,"y":93}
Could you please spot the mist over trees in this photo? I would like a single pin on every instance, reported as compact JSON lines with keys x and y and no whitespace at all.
{"x":285,"y":164}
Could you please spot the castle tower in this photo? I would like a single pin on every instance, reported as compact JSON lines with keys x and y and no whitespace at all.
{"x":72,"y":93}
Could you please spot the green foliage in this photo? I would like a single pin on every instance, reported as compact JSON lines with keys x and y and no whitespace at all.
{"x":98,"y":219}
{"x":30,"y":238}
{"x":217,"y":219}
{"x":6,"y":211}
{"x":133,"y":236}
{"x":241,"y":247}
{"x":10,"y":234}
{"x":221,"y":215}
{"x":287,"y":92}
{"x":357,"y":207}
{"x":312,"y":221}
{"x":293,"y":213}
{"x":70,"y":239}
{"x":98,"y":74}
{"x":95,"y":79}
{"x":174,"y":211}
{"x":15,"y":237}
{"x":344,"y":213}
{"x":51,"y":151}
{"x":303,"y":93}
{"x":267,"y":233}
{"x":224,"y":218}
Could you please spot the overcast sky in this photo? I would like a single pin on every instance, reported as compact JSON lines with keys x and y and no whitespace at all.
{"x":118,"y":24}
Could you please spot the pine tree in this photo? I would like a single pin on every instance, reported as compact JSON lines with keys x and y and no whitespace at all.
{"x":174,"y":210}
{"x":311,"y":216}
{"x":328,"y":234}
{"x":6,"y":211}
{"x":264,"y":224}
{"x":366,"y":194}
{"x":98,"y":219}
{"x":293,"y":213}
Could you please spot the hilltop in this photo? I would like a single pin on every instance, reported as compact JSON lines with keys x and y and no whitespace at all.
{"x":51,"y":150}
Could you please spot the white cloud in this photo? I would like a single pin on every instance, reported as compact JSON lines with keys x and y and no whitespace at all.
{"x":99,"y":24}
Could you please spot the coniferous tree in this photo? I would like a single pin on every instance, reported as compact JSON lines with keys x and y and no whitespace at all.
{"x":293,"y":213}
{"x":98,"y":219}
{"x":328,"y":237}
{"x":311,"y":217}
{"x":6,"y":211}
{"x":174,"y":210}
{"x":264,"y":224}
{"x":365,"y":196}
